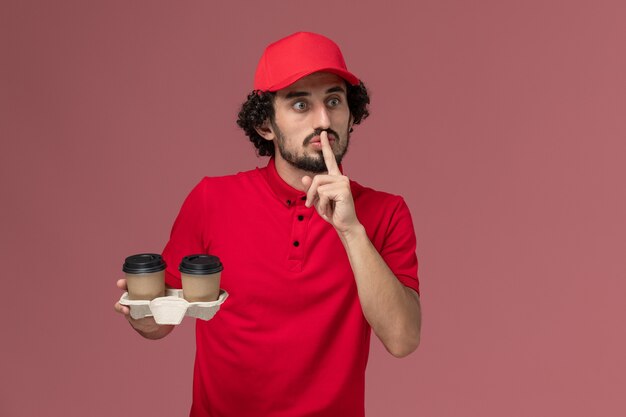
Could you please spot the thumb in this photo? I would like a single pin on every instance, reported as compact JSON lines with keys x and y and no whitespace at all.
{"x":307,"y":181}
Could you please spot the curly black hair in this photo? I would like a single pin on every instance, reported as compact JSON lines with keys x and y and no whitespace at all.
{"x":259,"y":107}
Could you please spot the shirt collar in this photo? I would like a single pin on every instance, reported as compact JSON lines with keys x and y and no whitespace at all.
{"x":287,"y":195}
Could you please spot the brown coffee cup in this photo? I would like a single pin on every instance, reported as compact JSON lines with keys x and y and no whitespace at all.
{"x":145,"y":276}
{"x":200,"y":275}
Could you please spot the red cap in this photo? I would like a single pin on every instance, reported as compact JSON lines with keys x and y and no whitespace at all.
{"x":286,"y":61}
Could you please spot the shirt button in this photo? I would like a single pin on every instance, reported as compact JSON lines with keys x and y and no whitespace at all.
{"x":296,"y":243}
{"x":288,"y":202}
{"x":303,"y":198}
{"x":300,"y":217}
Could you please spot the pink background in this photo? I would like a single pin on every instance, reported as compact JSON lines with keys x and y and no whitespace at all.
{"x":501,"y":122}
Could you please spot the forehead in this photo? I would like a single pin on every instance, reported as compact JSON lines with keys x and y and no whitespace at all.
{"x":316,"y":82}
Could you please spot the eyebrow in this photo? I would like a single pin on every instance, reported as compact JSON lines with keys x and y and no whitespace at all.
{"x":293,"y":94}
{"x":336,"y":90}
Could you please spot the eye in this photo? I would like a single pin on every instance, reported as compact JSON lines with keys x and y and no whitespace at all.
{"x":299,"y":105}
{"x":333,"y":102}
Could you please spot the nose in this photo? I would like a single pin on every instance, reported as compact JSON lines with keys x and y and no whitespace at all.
{"x":322,"y":119}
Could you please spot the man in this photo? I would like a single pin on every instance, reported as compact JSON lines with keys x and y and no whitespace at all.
{"x":312,"y":261}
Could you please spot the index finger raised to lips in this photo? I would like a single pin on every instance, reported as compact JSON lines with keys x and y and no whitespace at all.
{"x":329,"y":156}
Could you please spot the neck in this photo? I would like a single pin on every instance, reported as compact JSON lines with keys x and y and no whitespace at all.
{"x":290,"y":174}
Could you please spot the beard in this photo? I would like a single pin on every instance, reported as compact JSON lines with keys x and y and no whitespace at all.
{"x":309,"y":163}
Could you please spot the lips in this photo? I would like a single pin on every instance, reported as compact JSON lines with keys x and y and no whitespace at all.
{"x":317,"y":139}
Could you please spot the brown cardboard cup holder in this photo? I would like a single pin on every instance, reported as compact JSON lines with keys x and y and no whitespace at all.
{"x":172,"y":308}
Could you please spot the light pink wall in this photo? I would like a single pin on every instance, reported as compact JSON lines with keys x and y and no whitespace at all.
{"x":501,"y":122}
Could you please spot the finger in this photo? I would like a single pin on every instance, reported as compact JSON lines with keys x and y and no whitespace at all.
{"x":316,"y":182}
{"x":311,"y":193}
{"x":122,"y":309}
{"x":322,"y":205}
{"x":306,"y":181}
{"x":121,"y":284}
{"x":336,"y":191}
{"x":329,"y":156}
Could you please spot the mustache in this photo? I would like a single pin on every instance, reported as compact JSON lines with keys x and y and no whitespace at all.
{"x":318,"y":132}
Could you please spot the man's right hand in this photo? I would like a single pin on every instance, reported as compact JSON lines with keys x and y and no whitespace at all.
{"x":146,"y":326}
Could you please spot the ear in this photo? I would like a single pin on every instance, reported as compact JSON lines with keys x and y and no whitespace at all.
{"x":266,"y":131}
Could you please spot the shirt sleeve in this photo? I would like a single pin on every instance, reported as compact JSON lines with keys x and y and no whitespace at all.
{"x":187,"y":235}
{"x":399,"y":247}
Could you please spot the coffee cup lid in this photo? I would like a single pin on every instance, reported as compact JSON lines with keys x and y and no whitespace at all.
{"x":144,"y":263}
{"x":200,"y":264}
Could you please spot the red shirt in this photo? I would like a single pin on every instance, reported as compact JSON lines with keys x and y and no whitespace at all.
{"x":291,"y":339}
